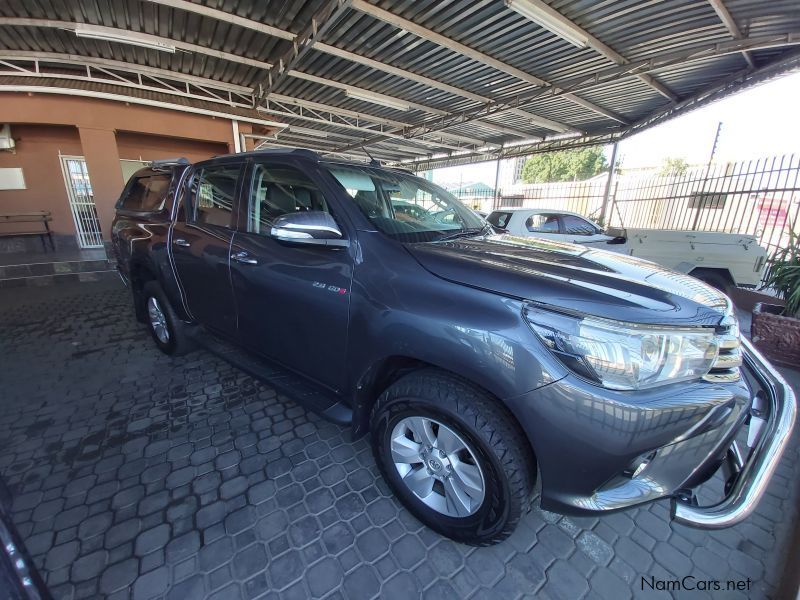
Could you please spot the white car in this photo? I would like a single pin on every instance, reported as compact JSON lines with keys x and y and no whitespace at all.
{"x":720,"y":259}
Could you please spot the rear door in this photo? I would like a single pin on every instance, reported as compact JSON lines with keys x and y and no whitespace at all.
{"x":292,"y":300}
{"x":201,"y":241}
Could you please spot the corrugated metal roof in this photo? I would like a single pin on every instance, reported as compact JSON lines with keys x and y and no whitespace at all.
{"x":477,"y":77}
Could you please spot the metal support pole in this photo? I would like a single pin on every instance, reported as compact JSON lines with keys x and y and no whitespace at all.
{"x":701,"y":199}
{"x":237,"y":140}
{"x":609,"y":181}
{"x":495,"y":204}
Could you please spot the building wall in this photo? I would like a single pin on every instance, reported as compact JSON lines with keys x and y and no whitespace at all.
{"x":37,"y":153}
{"x":103,"y":132}
{"x":138,"y":146}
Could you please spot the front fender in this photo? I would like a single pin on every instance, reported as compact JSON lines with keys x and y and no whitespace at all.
{"x":399,"y":309}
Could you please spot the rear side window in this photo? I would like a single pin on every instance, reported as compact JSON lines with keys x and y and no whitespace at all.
{"x":212,"y":192}
{"x":147,"y":193}
{"x":499,"y":219}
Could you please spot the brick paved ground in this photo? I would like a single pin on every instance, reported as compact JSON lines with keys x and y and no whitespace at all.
{"x":137,"y":475}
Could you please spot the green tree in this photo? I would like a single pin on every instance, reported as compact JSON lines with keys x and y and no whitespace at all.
{"x":564,"y":165}
{"x":673,"y":166}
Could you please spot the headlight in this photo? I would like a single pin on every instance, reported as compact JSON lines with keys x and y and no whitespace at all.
{"x":624,"y":356}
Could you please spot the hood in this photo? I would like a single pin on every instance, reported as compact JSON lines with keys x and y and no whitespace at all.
{"x":575,"y":278}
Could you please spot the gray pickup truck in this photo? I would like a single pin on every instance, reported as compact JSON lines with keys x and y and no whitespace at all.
{"x":477,"y":361}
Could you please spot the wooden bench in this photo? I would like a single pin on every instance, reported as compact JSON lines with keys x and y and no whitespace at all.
{"x":30,"y":223}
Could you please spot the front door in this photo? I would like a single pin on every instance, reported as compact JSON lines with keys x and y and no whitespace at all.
{"x":292,"y":300}
{"x":581,"y":231}
{"x":201,"y":243}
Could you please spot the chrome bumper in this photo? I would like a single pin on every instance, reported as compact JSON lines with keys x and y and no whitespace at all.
{"x":756,"y":472}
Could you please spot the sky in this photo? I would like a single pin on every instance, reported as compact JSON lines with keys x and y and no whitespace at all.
{"x":758,"y":122}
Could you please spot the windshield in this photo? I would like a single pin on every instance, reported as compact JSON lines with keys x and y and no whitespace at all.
{"x":405,"y":207}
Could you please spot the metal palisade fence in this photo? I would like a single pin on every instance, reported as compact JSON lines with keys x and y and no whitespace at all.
{"x":757,"y":197}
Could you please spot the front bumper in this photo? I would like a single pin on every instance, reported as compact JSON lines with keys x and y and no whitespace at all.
{"x":749,"y":483}
{"x":588,"y":440}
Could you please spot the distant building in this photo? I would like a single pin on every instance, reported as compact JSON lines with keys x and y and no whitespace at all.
{"x":510,"y":172}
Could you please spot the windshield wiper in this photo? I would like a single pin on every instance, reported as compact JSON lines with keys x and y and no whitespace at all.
{"x":464,"y":233}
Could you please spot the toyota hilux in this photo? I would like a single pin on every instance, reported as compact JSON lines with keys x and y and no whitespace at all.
{"x":476,"y":361}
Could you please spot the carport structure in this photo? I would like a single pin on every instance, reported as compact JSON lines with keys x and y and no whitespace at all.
{"x":423,"y":83}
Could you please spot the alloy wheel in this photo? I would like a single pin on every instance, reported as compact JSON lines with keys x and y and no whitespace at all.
{"x":157,"y":320}
{"x":438,"y":466}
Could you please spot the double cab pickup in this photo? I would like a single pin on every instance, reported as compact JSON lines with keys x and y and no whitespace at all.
{"x":475,"y":360}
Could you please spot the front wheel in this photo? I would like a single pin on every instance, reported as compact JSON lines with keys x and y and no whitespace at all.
{"x":454,"y":456}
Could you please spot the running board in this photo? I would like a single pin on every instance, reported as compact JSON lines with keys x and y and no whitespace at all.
{"x":306,"y":393}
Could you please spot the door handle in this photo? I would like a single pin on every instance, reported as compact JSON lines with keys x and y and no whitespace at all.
{"x":181,"y":242}
{"x":244,"y":258}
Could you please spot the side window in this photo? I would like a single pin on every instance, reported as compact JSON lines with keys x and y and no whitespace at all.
{"x":499,"y":219}
{"x":576,"y":226}
{"x":276,"y":190}
{"x":146,"y":193}
{"x":542,"y":223}
{"x":212,"y":191}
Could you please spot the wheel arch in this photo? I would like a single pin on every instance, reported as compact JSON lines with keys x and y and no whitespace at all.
{"x":723,"y":273}
{"x":386,"y":371}
{"x":139,"y":273}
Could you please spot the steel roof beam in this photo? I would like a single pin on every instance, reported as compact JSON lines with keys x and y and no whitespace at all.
{"x":357,"y":58}
{"x":162,"y":77}
{"x":69,"y":25}
{"x":366,"y":117}
{"x":730,"y":24}
{"x":319,"y":120}
{"x":446,"y":42}
{"x":596,"y":45}
{"x":67,"y":91}
{"x":303,"y":42}
{"x":651,"y":64}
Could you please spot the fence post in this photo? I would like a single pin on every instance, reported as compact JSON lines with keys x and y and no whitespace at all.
{"x":604,"y":209}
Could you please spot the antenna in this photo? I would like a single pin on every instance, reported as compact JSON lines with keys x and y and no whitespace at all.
{"x":372,"y":161}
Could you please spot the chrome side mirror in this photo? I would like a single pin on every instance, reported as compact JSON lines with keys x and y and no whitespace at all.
{"x":312,"y":227}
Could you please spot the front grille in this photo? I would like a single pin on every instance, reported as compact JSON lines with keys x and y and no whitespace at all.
{"x":729,"y":359}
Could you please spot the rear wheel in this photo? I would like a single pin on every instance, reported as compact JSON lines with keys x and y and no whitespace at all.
{"x":167,"y":330}
{"x":453,"y":456}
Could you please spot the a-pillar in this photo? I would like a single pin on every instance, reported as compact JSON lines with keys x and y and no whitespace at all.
{"x":105,"y":173}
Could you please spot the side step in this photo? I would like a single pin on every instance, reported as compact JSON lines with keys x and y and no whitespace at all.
{"x":304,"y":392}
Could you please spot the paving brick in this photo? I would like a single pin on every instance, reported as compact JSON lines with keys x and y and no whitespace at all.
{"x":672,"y":559}
{"x":563,"y":579}
{"x":181,"y":477}
{"x":605,"y":584}
{"x":119,"y":576}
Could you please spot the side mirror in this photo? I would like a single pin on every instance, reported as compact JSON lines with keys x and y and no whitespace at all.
{"x":312,"y":227}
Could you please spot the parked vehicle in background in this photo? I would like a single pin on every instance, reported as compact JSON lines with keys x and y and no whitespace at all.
{"x":476,"y":361}
{"x":723,"y":260}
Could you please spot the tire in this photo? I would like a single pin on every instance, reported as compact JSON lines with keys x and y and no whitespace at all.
{"x":714,"y":279}
{"x":495,"y":455}
{"x":168,"y":331}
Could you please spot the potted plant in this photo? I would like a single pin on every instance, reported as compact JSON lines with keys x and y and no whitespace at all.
{"x":775,"y":328}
